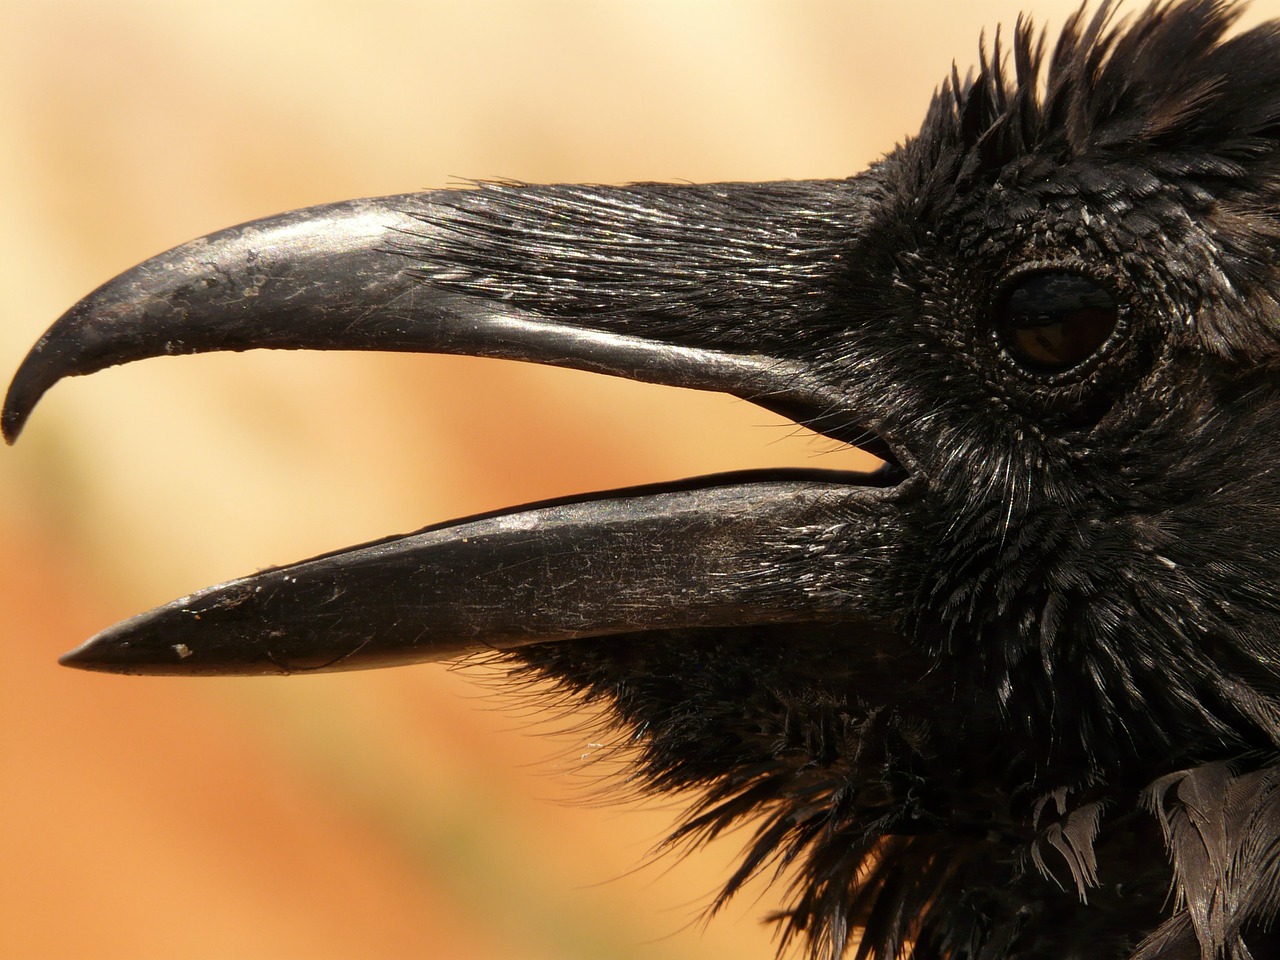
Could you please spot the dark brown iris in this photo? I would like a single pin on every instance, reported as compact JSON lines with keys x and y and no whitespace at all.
{"x":1053,"y":320}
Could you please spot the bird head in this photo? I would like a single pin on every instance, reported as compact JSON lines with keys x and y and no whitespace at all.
{"x":1054,"y":314}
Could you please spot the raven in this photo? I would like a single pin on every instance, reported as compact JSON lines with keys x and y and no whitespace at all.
{"x":1013,"y":695}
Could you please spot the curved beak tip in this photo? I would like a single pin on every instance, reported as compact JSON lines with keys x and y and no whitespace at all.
{"x":30,"y":382}
{"x":14,"y":417}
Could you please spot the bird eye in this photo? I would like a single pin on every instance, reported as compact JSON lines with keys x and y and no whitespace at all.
{"x":1053,"y":320}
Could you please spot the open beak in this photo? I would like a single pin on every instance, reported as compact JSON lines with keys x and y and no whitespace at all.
{"x":710,"y":287}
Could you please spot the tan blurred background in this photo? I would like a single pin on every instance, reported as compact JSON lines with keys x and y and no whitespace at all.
{"x":395,"y":813}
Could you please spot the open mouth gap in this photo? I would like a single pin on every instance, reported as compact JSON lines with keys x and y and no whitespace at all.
{"x":891,"y":472}
{"x":837,"y":425}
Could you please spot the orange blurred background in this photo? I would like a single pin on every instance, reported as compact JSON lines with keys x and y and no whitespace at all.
{"x":397,"y":813}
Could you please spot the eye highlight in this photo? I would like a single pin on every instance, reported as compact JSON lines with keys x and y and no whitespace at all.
{"x":1052,"y":320}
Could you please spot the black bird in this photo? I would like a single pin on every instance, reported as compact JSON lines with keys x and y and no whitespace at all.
{"x":1014,"y":695}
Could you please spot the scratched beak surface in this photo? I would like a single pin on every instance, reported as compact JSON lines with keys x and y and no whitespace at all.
{"x":555,"y":275}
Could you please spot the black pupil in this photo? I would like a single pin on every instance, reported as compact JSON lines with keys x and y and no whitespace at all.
{"x":1052,"y":321}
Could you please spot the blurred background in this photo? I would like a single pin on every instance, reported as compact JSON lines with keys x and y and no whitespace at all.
{"x":403,"y":813}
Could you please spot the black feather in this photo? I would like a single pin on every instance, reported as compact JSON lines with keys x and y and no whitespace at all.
{"x":1223,"y":832}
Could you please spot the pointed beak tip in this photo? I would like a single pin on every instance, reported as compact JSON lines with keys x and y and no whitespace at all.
{"x":106,"y":654}
{"x":87,"y":656}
